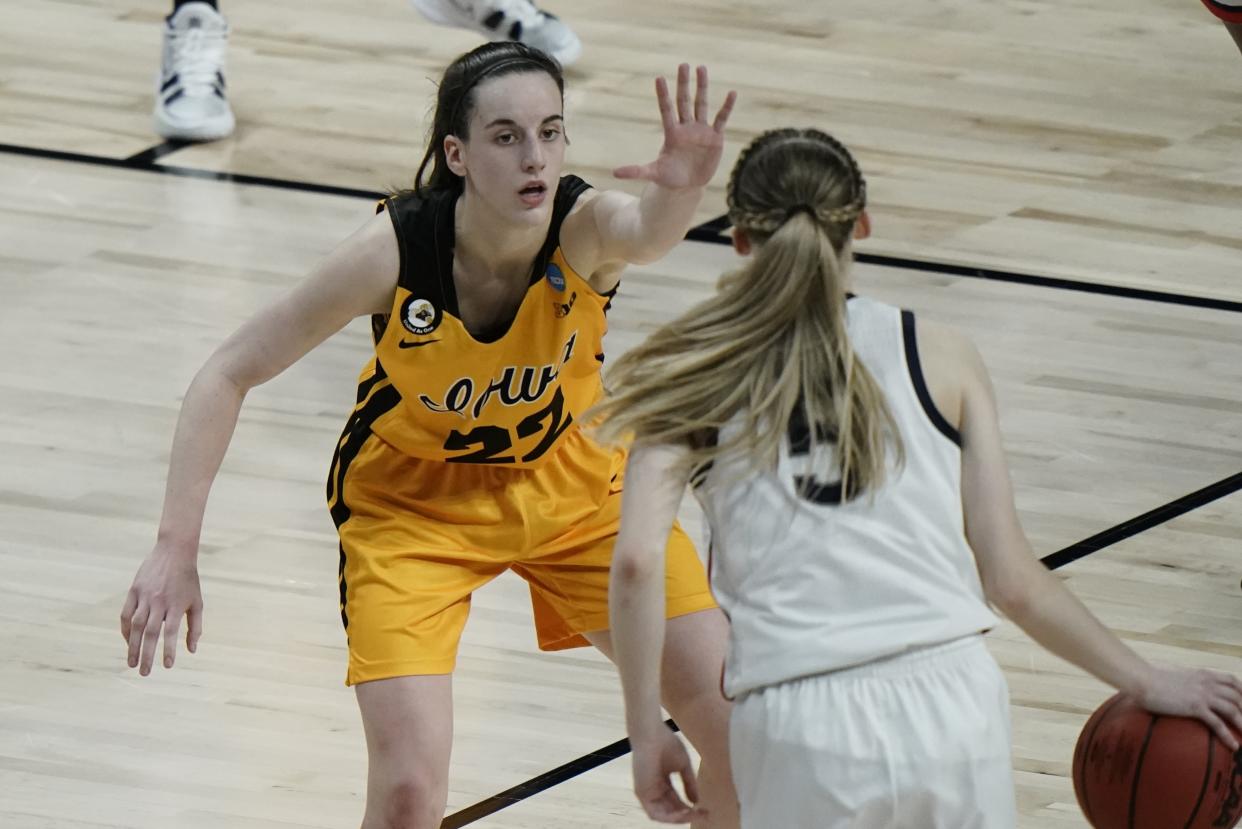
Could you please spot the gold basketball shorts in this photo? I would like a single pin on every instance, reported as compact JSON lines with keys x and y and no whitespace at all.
{"x":418,"y":537}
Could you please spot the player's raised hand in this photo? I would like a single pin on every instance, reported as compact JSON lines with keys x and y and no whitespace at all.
{"x":692,"y":145}
{"x":165,"y":589}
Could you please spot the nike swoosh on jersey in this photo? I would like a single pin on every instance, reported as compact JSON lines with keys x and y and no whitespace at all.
{"x":407,"y":344}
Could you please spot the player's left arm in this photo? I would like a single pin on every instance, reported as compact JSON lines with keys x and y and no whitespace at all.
{"x":613,"y":228}
{"x":654,"y":486}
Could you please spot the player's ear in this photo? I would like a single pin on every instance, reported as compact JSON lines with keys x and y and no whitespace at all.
{"x":862,"y":227}
{"x":455,"y":155}
{"x":741,"y":242}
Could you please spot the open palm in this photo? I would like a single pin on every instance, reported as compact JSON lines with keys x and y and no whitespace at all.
{"x":692,"y":146}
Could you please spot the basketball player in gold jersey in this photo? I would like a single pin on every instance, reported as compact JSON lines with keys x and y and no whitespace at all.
{"x":487,"y":285}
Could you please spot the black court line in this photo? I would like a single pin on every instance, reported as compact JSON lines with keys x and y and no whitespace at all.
{"x":154,"y":154}
{"x":1138,"y":524}
{"x":145,"y":162}
{"x":541,"y":783}
{"x":713,"y":232}
{"x":1086,"y":547}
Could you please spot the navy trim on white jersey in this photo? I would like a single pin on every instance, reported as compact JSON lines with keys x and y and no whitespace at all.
{"x":920,"y":382}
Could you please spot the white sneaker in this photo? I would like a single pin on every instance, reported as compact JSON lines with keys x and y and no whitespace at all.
{"x":190,"y":98}
{"x":507,"y":20}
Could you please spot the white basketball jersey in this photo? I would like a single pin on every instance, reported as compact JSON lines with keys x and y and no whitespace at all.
{"x":814,"y":583}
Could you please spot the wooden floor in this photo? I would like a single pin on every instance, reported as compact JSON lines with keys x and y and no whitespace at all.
{"x":1040,"y":136}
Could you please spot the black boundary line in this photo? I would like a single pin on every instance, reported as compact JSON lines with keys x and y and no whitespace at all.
{"x":145,"y":162}
{"x":1086,"y":547}
{"x":711,"y":231}
{"x":1140,"y":523}
{"x":152,"y":154}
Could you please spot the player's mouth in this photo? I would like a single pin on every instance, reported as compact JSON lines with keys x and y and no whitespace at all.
{"x":533,"y":194}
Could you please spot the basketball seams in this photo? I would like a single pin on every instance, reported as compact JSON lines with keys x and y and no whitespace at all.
{"x":1099,"y":717}
{"x":1207,"y":777}
{"x":1138,"y":768}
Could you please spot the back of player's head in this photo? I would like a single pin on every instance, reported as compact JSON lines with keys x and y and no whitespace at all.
{"x":455,"y":100}
{"x":796,"y":176}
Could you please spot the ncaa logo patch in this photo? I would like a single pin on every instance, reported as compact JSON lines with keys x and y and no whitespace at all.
{"x":555,"y":278}
{"x":419,"y":316}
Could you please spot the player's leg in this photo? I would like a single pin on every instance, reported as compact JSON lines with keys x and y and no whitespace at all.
{"x":518,"y":20}
{"x":408,"y":567}
{"x":409,"y":730}
{"x":191,"y":102}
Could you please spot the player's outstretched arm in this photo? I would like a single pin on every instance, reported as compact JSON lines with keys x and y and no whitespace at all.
{"x":357,"y":278}
{"x":1021,"y":587}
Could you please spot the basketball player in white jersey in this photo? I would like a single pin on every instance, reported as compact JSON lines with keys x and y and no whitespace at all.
{"x":850,"y":466}
{"x":1230,"y":13}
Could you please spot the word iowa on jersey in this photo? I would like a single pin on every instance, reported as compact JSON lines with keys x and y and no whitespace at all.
{"x":508,"y":401}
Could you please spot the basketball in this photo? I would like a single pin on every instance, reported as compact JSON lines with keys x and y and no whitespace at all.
{"x":1138,"y":770}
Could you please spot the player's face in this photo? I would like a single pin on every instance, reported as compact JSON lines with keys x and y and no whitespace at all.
{"x":516,"y":149}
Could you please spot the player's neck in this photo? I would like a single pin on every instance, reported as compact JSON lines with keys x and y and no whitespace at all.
{"x":488,"y":247}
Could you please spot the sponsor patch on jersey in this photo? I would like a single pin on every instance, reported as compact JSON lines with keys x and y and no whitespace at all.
{"x":555,"y":278}
{"x":419,"y":316}
{"x":562,"y":309}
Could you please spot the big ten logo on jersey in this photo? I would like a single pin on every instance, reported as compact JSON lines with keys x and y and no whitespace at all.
{"x":807,"y":485}
{"x":514,"y":386}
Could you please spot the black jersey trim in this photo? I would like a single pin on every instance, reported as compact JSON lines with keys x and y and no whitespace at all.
{"x":376,"y":396}
{"x":910,"y":340}
{"x":709,"y":439}
{"x":425,"y":224}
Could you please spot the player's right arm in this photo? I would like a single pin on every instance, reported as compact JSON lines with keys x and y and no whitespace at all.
{"x":358,"y":278}
{"x":1018,"y":584}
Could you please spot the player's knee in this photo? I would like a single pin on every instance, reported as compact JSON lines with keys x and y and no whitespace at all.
{"x":414,"y":801}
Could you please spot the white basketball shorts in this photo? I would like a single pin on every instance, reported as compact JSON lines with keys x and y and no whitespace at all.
{"x":916,"y":741}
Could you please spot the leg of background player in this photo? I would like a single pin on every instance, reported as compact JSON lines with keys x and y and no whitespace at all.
{"x":191,"y":99}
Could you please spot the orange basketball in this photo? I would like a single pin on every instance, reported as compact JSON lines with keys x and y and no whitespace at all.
{"x":1138,"y":770}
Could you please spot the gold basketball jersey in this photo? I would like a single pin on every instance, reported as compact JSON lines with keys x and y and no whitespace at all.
{"x":434,"y":390}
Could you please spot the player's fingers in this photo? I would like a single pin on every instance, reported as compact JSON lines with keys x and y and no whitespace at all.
{"x":670,"y":809}
{"x":1231,"y":680}
{"x":689,"y":783}
{"x":665,"y":101}
{"x":641,"y":172}
{"x":127,"y":612}
{"x":700,"y":94}
{"x":726,"y":109}
{"x":684,"y":111}
{"x":172,"y":624}
{"x":1219,"y":728}
{"x":137,"y":624}
{"x":1230,"y":708}
{"x":150,"y":638}
{"x":194,"y":626}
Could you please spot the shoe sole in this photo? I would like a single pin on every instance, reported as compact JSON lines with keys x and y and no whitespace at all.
{"x":211,"y":130}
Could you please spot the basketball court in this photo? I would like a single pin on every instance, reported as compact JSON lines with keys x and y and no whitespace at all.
{"x":1062,"y":181}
